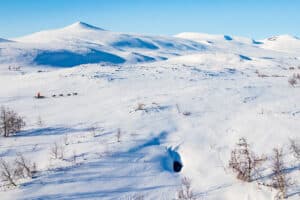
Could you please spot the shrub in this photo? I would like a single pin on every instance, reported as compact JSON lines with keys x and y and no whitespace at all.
{"x":24,"y":168}
{"x":7,"y":173}
{"x":10,"y":122}
{"x":185,"y":192}
{"x":58,"y":151}
{"x":279,"y":179}
{"x":119,"y":135}
{"x":12,"y":172}
{"x":295,"y":148}
{"x":243,"y":161}
{"x":292,"y":81}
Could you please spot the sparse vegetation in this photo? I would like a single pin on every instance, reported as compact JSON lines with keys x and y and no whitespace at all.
{"x":279,"y":179}
{"x":295,"y":148}
{"x":186,"y":192}
{"x":24,"y":168}
{"x":243,"y":161}
{"x":21,"y":168}
{"x":292,"y":81}
{"x":57,"y":151}
{"x":7,"y":173}
{"x":10,"y":122}
{"x":66,"y":139}
{"x":119,"y":135}
{"x":40,"y":121}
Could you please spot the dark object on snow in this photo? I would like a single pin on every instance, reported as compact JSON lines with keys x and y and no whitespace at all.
{"x":61,"y":95}
{"x":54,"y":95}
{"x":39,"y":96}
{"x":75,"y":93}
{"x":69,"y":94}
{"x":177,"y":166}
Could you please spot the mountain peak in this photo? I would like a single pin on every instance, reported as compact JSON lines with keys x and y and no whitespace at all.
{"x":83,"y":25}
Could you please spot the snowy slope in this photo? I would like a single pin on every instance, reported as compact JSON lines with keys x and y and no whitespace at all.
{"x":4,"y":40}
{"x":194,"y":107}
{"x":81,"y":43}
{"x":285,"y":43}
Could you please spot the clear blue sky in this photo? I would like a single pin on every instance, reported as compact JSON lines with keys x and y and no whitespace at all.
{"x":255,"y":18}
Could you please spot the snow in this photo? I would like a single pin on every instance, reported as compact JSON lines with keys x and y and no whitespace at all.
{"x":4,"y":40}
{"x":81,"y":38}
{"x":199,"y":99}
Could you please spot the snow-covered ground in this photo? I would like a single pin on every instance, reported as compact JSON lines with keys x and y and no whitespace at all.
{"x":198,"y":95}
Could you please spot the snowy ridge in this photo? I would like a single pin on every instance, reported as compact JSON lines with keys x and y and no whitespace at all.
{"x":81,"y":43}
{"x":4,"y":40}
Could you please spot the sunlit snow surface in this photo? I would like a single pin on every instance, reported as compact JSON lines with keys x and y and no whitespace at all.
{"x":212,"y":78}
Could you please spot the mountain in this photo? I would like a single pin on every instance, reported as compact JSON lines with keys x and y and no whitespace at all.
{"x":284,"y":43}
{"x":4,"y":40}
{"x":81,"y":43}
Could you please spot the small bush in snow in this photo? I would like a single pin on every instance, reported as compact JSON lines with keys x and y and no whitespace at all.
{"x":279,"y":179}
{"x":10,"y":122}
{"x":57,"y":151}
{"x":295,"y":148}
{"x":185,"y":192}
{"x":7,"y":173}
{"x":24,"y":168}
{"x":292,"y":81}
{"x":243,"y":161}
{"x":12,"y":172}
{"x":39,"y":121}
{"x":119,"y":135}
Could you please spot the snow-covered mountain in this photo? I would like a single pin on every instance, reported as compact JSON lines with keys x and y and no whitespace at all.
{"x":4,"y":40}
{"x":81,"y":43}
{"x":283,"y":43}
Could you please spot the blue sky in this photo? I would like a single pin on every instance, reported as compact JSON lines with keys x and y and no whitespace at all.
{"x":252,"y":18}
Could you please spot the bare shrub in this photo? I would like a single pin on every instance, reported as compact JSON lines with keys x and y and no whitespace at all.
{"x":57,"y":151}
{"x":292,"y":81}
{"x":10,"y":122}
{"x":279,"y":179}
{"x":94,"y":131}
{"x":74,"y":158}
{"x":24,"y":168}
{"x":66,"y":139}
{"x":7,"y":173}
{"x":186,"y":192}
{"x":295,"y":148}
{"x":21,"y":168}
{"x":40,"y":121}
{"x":243,"y":161}
{"x":119,"y":135}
